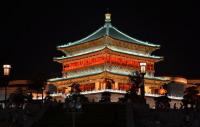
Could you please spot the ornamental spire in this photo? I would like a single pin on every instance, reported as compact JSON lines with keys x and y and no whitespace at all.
{"x":108,"y":17}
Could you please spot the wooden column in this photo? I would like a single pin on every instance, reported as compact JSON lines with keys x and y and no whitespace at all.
{"x":103,"y":86}
{"x":97,"y":85}
{"x":116,"y":86}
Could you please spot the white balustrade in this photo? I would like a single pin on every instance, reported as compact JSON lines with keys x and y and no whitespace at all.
{"x":113,"y":91}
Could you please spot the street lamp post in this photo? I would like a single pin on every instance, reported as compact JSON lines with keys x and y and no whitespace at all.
{"x":142,"y":72}
{"x":6,"y":73}
{"x":43,"y":94}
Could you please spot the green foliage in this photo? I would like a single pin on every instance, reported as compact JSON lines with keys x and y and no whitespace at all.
{"x":135,"y":79}
{"x":39,"y":81}
{"x":75,"y":94}
{"x":191,"y":91}
{"x":75,"y":88}
{"x":162,"y":102}
{"x":190,"y":96}
{"x":19,"y":97}
{"x":131,"y":95}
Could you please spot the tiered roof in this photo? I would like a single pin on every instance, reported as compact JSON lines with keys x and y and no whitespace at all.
{"x":113,"y":32}
{"x":99,"y":72}
{"x":109,"y":30}
{"x":114,"y":49}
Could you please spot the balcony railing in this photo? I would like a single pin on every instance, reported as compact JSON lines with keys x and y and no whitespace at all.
{"x":114,"y":91}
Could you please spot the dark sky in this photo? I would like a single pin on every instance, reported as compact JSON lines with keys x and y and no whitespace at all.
{"x":30,"y":32}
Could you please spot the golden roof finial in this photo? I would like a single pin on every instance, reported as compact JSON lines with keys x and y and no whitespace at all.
{"x":107,"y":17}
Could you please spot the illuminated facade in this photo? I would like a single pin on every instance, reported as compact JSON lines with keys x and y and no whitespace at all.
{"x":107,"y":54}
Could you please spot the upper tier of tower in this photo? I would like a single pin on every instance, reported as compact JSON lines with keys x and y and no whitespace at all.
{"x":110,"y":37}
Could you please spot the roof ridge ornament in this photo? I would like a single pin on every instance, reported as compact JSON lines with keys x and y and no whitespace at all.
{"x":108,"y":17}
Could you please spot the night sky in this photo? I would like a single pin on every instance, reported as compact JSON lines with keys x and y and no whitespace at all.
{"x":30,"y":32}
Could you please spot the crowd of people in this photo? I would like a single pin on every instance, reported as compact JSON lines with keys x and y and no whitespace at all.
{"x":23,"y":114}
{"x":21,"y":108}
{"x":16,"y":115}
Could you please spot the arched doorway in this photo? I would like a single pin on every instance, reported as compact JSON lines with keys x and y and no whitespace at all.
{"x":109,"y":83}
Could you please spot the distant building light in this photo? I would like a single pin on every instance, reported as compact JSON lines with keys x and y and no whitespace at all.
{"x":6,"y":69}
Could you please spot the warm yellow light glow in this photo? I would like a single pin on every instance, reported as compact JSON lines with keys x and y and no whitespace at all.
{"x":107,"y":17}
{"x":147,"y":89}
{"x":6,"y":70}
{"x":162,"y":91}
{"x":143,"y":67}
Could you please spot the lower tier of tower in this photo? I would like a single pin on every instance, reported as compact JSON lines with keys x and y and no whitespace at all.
{"x":96,"y":82}
{"x":116,"y":95}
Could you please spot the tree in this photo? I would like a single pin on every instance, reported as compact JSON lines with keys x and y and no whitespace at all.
{"x":75,"y":94}
{"x":52,"y":88}
{"x":75,"y":99}
{"x":162,"y":102}
{"x":190,"y":97}
{"x":18,"y":97}
{"x":198,"y":97}
{"x":131,"y":95}
{"x":75,"y":88}
{"x":39,"y":83}
{"x":136,"y":80}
